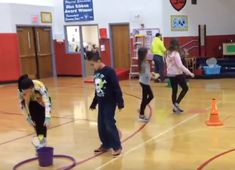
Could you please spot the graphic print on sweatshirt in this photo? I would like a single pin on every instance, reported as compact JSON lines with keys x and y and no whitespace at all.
{"x":100,"y":84}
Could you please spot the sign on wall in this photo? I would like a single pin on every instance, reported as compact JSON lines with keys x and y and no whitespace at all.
{"x":229,"y":48}
{"x":179,"y":23}
{"x":78,"y":10}
{"x":178,"y":4}
{"x":34,"y":19}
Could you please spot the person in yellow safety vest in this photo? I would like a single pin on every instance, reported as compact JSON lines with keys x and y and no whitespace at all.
{"x":158,"y":50}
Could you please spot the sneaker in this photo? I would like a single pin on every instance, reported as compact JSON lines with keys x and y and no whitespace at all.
{"x":42,"y":143}
{"x":178,"y":107}
{"x":117,"y":152}
{"x":175,"y":110}
{"x":39,"y":142}
{"x":143,"y":118}
{"x":101,"y":149}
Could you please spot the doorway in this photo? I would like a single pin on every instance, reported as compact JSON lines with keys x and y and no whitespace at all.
{"x":120,"y":45}
{"x":90,"y":41}
{"x":81,"y":38}
{"x":35,"y":51}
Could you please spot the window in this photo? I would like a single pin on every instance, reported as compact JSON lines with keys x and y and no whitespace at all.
{"x":90,"y":37}
{"x":73,"y":39}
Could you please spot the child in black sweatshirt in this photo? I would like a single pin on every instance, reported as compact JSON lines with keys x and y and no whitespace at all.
{"x":108,"y":95}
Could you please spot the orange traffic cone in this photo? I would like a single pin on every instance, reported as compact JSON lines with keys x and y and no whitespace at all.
{"x":214,"y":116}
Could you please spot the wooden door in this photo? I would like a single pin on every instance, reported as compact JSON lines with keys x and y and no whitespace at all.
{"x":120,"y":41}
{"x":27,"y":51}
{"x":43,"y":46}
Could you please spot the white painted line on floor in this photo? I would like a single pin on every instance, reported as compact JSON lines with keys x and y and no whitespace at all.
{"x":148,"y":141}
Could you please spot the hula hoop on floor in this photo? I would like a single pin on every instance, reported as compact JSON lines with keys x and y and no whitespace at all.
{"x":54,"y":156}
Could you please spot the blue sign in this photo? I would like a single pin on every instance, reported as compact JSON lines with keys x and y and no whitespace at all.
{"x":78,"y":10}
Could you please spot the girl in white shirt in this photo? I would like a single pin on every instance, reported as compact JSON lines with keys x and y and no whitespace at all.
{"x":144,"y":79}
{"x":175,"y":72}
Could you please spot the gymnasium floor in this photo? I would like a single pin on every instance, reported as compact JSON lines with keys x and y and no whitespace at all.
{"x":168,"y":142}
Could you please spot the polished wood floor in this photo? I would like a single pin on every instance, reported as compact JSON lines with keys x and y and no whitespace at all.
{"x":168,"y":142}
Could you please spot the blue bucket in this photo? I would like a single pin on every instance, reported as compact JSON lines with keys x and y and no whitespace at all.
{"x":45,"y":156}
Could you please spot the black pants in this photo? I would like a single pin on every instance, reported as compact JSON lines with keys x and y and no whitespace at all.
{"x":37,"y":113}
{"x":181,"y":81}
{"x":147,"y":96}
{"x":159,"y":66}
{"x":107,"y":129}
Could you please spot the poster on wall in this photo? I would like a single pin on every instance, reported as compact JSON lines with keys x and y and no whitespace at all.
{"x":149,"y":34}
{"x":46,"y":17}
{"x":78,"y":10}
{"x":179,"y":23}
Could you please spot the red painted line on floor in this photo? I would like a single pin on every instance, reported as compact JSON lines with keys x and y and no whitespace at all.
{"x":20,"y":114}
{"x":124,"y":140}
{"x":92,"y":157}
{"x":9,"y":113}
{"x":15,"y":139}
{"x":213,"y":158}
{"x":62,"y":124}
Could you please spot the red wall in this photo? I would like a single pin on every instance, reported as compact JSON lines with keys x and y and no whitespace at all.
{"x":9,"y":57}
{"x":212,"y":44}
{"x":105,"y":55}
{"x":183,"y":41}
{"x":66,"y":64}
{"x":70,"y":64}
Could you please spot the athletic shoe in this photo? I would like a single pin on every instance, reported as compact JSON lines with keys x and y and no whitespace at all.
{"x":117,"y":152}
{"x":42,"y":143}
{"x":178,"y":107}
{"x":101,"y":149}
{"x":143,"y":118}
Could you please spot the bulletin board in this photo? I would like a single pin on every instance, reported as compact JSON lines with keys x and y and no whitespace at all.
{"x":149,"y":34}
{"x":229,"y":49}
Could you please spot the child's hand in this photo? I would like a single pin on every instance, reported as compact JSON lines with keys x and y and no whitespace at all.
{"x":192,"y":75}
{"x":92,"y":107}
{"x":30,"y":121}
{"x":155,"y":76}
{"x":120,"y":106}
{"x":47,"y":121}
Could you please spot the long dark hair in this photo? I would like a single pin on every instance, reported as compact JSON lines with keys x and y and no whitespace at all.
{"x":174,"y":45}
{"x":142,"y":53}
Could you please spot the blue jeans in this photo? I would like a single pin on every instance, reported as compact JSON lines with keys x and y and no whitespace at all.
{"x":107,"y":129}
{"x":159,"y":66}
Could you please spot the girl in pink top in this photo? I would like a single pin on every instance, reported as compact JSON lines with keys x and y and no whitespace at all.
{"x":175,"y":72}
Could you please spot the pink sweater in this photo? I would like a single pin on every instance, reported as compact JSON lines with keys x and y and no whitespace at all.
{"x":175,"y":65}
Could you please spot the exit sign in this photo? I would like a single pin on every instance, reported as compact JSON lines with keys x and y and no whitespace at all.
{"x":35,"y":19}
